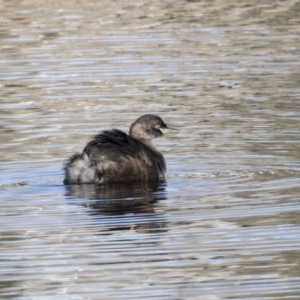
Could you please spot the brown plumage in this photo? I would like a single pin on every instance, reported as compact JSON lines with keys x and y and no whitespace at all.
{"x":114,"y":156}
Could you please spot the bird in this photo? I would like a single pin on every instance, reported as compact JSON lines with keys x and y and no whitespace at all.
{"x":114,"y":156}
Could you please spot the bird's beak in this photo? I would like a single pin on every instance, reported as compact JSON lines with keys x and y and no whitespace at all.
{"x":168,"y":130}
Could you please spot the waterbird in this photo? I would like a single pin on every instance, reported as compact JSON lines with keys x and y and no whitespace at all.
{"x":114,"y":156}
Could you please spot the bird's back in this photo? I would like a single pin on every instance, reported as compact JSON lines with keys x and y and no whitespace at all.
{"x":114,"y":156}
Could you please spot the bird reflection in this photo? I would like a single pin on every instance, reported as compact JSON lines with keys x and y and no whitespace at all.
{"x":133,"y":203}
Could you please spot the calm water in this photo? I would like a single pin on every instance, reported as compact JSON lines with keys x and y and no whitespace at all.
{"x":226,"y":223}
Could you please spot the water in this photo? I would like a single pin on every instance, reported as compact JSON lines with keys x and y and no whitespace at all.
{"x":225,"y":224}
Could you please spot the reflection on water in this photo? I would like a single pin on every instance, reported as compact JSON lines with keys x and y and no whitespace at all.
{"x":226,"y":224}
{"x":119,"y":197}
{"x":134,"y":201}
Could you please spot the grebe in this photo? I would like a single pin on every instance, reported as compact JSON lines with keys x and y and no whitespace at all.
{"x":114,"y":156}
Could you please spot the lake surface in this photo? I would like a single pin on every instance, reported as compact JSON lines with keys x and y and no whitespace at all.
{"x":226,"y":223}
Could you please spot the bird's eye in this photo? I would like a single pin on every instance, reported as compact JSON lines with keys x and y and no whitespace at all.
{"x":157,"y":126}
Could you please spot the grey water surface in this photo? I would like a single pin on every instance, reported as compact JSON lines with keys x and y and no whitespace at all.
{"x":226,"y":223}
